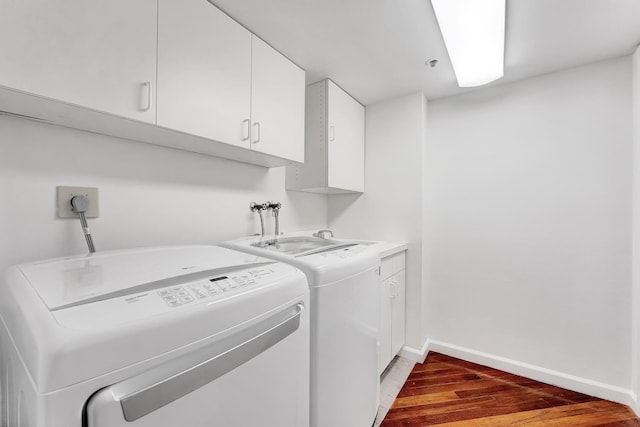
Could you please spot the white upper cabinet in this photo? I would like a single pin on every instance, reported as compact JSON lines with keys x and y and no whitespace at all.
{"x":188,"y":75}
{"x":204,"y":72}
{"x":218,"y":81}
{"x":98,"y":55}
{"x":345,"y":151}
{"x":334,"y":143}
{"x":277,"y":104}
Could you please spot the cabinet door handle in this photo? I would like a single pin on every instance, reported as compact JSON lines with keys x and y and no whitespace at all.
{"x":394,"y":287}
{"x":145,"y":96}
{"x":256,"y":125}
{"x":332,"y":133}
{"x":246,"y":129}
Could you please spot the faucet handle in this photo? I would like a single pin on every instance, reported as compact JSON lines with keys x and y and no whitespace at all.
{"x":258,"y":206}
{"x":275,"y":205}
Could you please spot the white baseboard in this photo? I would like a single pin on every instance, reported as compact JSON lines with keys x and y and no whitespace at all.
{"x":548,"y":376}
{"x":634,"y":404}
{"x":414,"y":354}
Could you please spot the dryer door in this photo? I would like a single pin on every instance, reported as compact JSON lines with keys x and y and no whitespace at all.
{"x":258,"y":376}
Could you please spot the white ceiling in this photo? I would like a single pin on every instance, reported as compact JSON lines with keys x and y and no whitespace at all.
{"x":376,"y":49}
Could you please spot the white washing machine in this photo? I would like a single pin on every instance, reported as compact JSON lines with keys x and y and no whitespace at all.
{"x":344,"y":282}
{"x":188,"y":336}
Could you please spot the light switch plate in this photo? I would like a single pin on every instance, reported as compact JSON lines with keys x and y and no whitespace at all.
{"x":65,"y":194}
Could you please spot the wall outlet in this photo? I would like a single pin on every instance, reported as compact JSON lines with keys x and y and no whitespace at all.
{"x":65,"y":194}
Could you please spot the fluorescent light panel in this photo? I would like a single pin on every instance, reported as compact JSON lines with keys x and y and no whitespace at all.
{"x":473,"y":31}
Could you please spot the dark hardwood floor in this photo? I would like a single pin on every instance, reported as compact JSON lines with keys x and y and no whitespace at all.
{"x":451,"y":392}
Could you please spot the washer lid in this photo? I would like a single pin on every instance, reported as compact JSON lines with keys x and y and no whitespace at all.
{"x":64,"y":283}
{"x":79,"y":318}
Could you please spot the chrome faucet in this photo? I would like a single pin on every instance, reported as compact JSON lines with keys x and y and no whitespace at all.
{"x":255,"y":207}
{"x":275,"y":207}
{"x":321,"y":233}
{"x":261,"y":207}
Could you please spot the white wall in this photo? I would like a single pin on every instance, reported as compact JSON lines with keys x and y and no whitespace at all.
{"x":635,"y":355}
{"x":529,"y":218}
{"x":149,"y":195}
{"x":391,"y":207}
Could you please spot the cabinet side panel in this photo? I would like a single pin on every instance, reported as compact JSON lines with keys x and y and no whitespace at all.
{"x":312,"y":174}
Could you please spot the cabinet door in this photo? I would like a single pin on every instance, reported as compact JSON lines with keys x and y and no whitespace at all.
{"x":204,"y":72}
{"x":397,"y":313}
{"x":345,"y":140}
{"x":95,"y":54}
{"x":277,"y":103}
{"x":384,"y":332}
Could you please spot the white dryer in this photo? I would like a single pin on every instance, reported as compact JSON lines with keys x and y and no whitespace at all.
{"x":176,"y":336}
{"x":344,"y":281}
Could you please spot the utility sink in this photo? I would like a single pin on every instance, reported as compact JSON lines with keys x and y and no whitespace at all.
{"x":299,"y":245}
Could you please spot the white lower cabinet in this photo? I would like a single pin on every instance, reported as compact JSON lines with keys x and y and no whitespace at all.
{"x":392,"y":308}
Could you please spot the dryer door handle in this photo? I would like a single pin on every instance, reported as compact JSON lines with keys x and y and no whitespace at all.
{"x":143,"y":394}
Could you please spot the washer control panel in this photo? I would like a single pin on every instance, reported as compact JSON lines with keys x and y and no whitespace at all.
{"x":175,"y":296}
{"x":210,"y":288}
{"x":204,"y":290}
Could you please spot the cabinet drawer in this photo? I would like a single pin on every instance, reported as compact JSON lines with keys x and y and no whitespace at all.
{"x":399,"y":262}
{"x":392,"y":264}
{"x":386,"y":268}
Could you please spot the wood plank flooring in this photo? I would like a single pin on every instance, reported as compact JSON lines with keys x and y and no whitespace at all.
{"x":450,"y":392}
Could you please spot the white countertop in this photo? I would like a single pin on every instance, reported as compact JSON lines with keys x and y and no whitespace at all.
{"x":386,"y":249}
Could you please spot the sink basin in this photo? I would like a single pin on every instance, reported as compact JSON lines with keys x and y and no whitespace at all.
{"x":297,"y":245}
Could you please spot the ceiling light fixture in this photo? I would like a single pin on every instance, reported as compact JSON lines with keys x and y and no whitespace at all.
{"x":473,"y":32}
